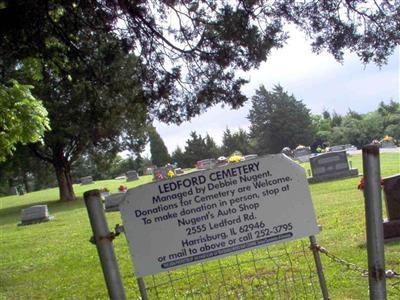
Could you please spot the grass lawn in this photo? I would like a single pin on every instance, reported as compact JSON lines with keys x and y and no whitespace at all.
{"x":55,"y":260}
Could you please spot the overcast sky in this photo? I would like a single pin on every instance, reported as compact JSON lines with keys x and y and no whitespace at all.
{"x":318,"y":80}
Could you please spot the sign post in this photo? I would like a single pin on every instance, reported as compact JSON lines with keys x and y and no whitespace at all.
{"x":214,"y":213}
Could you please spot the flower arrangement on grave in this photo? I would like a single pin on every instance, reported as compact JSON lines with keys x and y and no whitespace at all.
{"x":170,"y":174}
{"x":122,"y":189}
{"x":235,"y":157}
{"x":388,"y":138}
{"x":104,"y":190}
{"x":361,"y":184}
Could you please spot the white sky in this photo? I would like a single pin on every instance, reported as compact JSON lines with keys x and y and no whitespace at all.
{"x":318,"y":80}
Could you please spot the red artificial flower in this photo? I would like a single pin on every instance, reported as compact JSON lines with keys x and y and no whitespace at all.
{"x":361,"y":184}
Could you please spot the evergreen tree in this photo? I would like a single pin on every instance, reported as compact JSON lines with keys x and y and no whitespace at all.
{"x":195,"y":149}
{"x":238,"y":141}
{"x":278,"y":120}
{"x":212,"y":150}
{"x":158,"y":150}
{"x":179,"y":157}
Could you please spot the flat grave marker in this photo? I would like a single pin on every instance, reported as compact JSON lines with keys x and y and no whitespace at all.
{"x":218,"y":212}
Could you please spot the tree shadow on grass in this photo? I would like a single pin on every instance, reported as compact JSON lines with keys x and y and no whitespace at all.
{"x":13,"y":214}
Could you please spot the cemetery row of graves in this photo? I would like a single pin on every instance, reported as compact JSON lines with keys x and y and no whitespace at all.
{"x":56,"y":259}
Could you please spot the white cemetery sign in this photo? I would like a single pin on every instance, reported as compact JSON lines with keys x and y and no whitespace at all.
{"x":215,"y":213}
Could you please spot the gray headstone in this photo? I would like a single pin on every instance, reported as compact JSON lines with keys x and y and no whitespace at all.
{"x":387,"y":144}
{"x":391,"y":189}
{"x":331,"y":165}
{"x":112,"y":201}
{"x":34,"y":214}
{"x":302,"y":154}
{"x":149,"y":171}
{"x":86,"y":180}
{"x":178,"y":171}
{"x":131,"y":176}
{"x":338,"y":148}
{"x":206,"y":164}
{"x":162,"y":173}
{"x":250,"y":156}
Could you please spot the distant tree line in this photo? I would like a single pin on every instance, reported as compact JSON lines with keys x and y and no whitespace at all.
{"x":277,"y":120}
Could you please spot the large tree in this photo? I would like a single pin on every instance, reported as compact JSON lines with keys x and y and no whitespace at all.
{"x":278,"y":120}
{"x":97,"y":104}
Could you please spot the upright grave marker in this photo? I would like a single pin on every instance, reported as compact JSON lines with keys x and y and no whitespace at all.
{"x":302,"y":154}
{"x":214,"y":213}
{"x":391,"y":188}
{"x":132,"y":175}
{"x":86,"y":180}
{"x":330,"y":165}
{"x":35,"y":214}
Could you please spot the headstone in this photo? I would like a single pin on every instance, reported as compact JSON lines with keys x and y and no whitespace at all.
{"x":149,"y":171}
{"x":337,"y":148}
{"x":330,"y":165}
{"x":132,"y":175}
{"x":35,"y":214}
{"x":250,"y":156}
{"x":87,"y":180}
{"x":206,"y":164}
{"x":387,"y":144}
{"x":391,"y":226}
{"x":112,"y":201}
{"x":163,"y":173}
{"x":179,"y":171}
{"x":302,"y":154}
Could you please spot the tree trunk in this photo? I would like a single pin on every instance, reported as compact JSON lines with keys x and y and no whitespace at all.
{"x":63,"y":173}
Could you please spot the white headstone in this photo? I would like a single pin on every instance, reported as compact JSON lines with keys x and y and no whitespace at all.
{"x":214,"y":213}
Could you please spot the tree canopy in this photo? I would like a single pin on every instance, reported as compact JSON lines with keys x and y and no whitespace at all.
{"x":23,"y":119}
{"x":190,"y":50}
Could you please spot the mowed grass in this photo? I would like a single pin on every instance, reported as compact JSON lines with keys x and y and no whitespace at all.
{"x":55,"y":260}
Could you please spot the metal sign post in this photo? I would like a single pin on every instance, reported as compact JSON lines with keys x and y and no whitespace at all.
{"x":373,"y":215}
{"x":103,"y":239}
